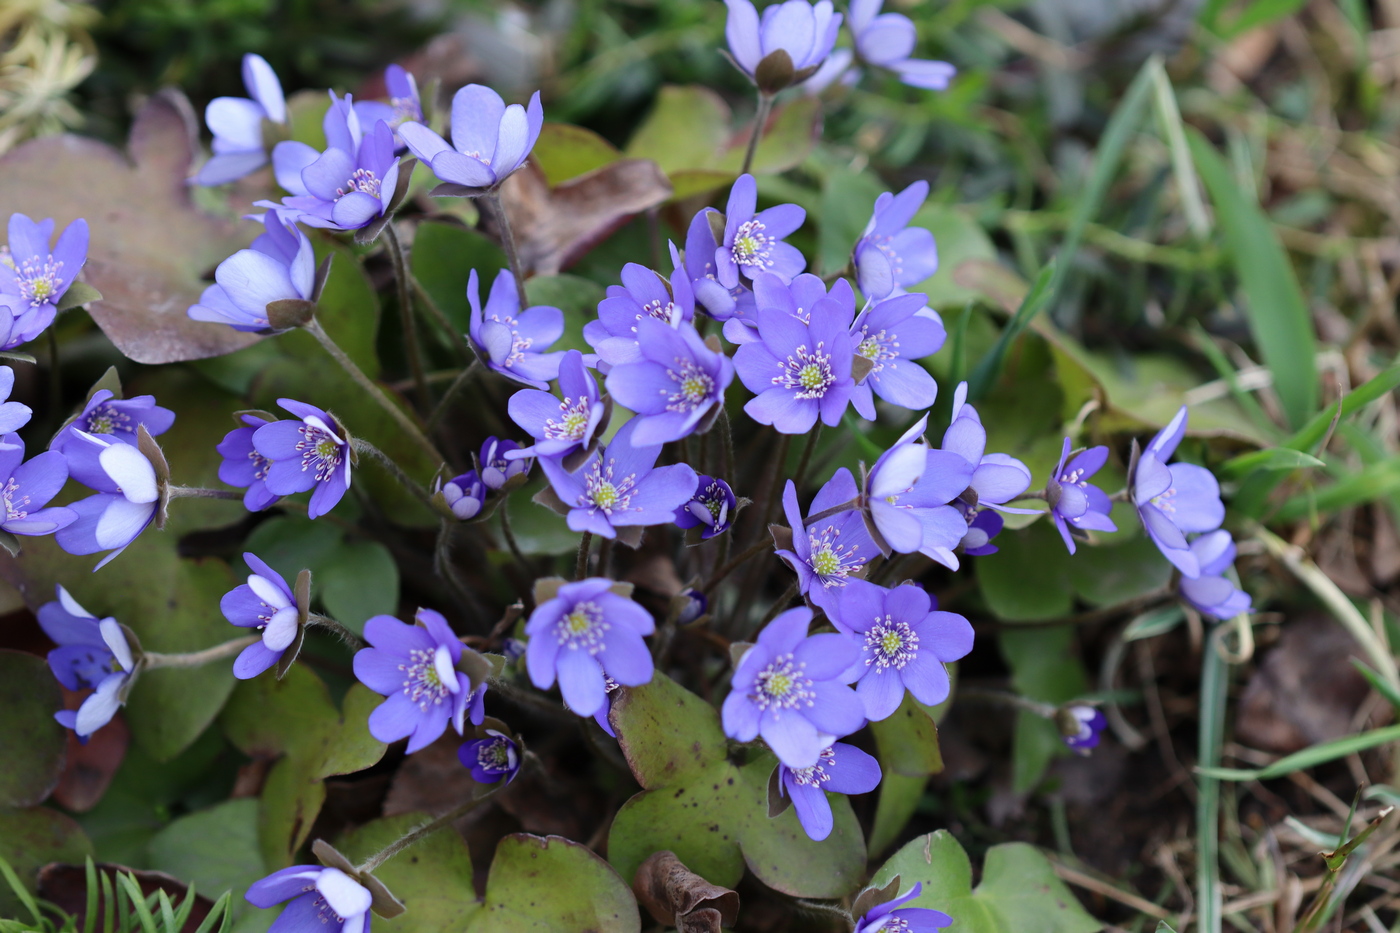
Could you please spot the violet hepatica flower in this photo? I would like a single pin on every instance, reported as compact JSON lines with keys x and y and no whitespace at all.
{"x":114,"y":419}
{"x":719,"y":301}
{"x":711,"y":507}
{"x":788,"y":44}
{"x":892,"y":335}
{"x":798,"y":371}
{"x":91,"y":654}
{"x":678,"y":385}
{"x":237,"y":124}
{"x":642,"y":295}
{"x":887,"y":40}
{"x":29,"y":485}
{"x":13,"y":415}
{"x":561,"y":427}
{"x":1175,"y":500}
{"x":841,"y":769}
{"x":904,"y":644}
{"x":497,"y":467}
{"x":753,"y":242}
{"x":128,"y":497}
{"x":619,"y":486}
{"x":403,"y":106}
{"x":1212,"y":593}
{"x":415,"y":666}
{"x":325,"y":900}
{"x":787,"y":689}
{"x":266,"y":604}
{"x":890,"y":254}
{"x":279,"y":265}
{"x":33,"y":278}
{"x":996,"y":478}
{"x":894,"y":917}
{"x":489,"y":139}
{"x":982,"y":526}
{"x":907,"y":496}
{"x":312,"y":452}
{"x":1088,"y":724}
{"x":583,"y":635}
{"x":799,"y":298}
{"x":465,"y":495}
{"x":511,"y":341}
{"x":830,"y":552}
{"x":1076,"y":505}
{"x":491,"y":759}
{"x":243,"y":466}
{"x":348,"y":185}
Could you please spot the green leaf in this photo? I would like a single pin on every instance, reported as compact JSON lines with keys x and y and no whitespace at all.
{"x":847,"y":200}
{"x":565,"y":151}
{"x":899,"y":798}
{"x":577,"y":297}
{"x":1109,"y":575}
{"x":960,"y":239}
{"x":1154,"y":623}
{"x":1019,"y":890}
{"x":360,"y":581}
{"x":442,"y":258}
{"x":1275,"y":458}
{"x":907,"y":740}
{"x":1028,"y":579}
{"x":1043,"y":668}
{"x":552,"y":884}
{"x":29,"y":840}
{"x":35,"y":743}
{"x":1365,"y":485}
{"x":988,"y":369}
{"x":1274,"y":306}
{"x":349,"y":307}
{"x":77,"y":295}
{"x":433,"y":876}
{"x":215,"y":849}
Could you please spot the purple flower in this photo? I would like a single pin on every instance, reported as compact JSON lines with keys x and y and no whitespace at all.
{"x":831,"y":551}
{"x":836,"y":67}
{"x":90,"y":654}
{"x":798,"y":371}
{"x":279,"y":265}
{"x":114,"y":419}
{"x":797,"y":299}
{"x":403,"y":105}
{"x":1212,"y":593}
{"x":676,"y":388}
{"x":464,"y":495}
{"x":13,"y":415}
{"x":1077,"y":506}
{"x":491,"y":759}
{"x":345,"y":187}
{"x":890,"y":918}
{"x":619,"y":486}
{"x":904,"y":644}
{"x":892,"y":335}
{"x":497,"y":467}
{"x":511,"y":341}
{"x":907,"y":496}
{"x":489,"y":139}
{"x":719,"y":302}
{"x":561,"y":427}
{"x":243,"y":466}
{"x":887,"y":40}
{"x":643,"y":294}
{"x":29,"y":486}
{"x":982,"y":526}
{"x":890,"y":254}
{"x":1174,"y":500}
{"x":237,"y":124}
{"x":1090,"y":722}
{"x":323,"y":900}
{"x":996,"y":478}
{"x":695,"y":605}
{"x":265,"y":603}
{"x":33,"y":279}
{"x":128,"y":497}
{"x":583,"y":635}
{"x":415,"y":666}
{"x":712,"y":506}
{"x":840,"y":769}
{"x":787,"y":688}
{"x":753,"y":242}
{"x":311,"y":453}
{"x":792,"y":39}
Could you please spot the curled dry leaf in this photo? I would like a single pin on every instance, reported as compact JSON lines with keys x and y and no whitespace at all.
{"x":675,"y":895}
{"x":150,"y":246}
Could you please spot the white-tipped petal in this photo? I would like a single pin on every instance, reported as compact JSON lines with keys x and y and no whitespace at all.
{"x":346,"y":896}
{"x":281,"y":630}
{"x":268,"y":591}
{"x":115,"y":639}
{"x":131,"y":471}
{"x":447,"y":674}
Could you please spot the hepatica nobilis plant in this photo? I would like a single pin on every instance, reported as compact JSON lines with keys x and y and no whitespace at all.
{"x":552,"y":537}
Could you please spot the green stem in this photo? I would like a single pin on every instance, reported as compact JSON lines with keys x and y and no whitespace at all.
{"x":375,"y":392}
{"x":198,"y":492}
{"x":807,"y":449}
{"x":1215,"y":676}
{"x":737,"y":562}
{"x":1004,"y":698}
{"x":316,"y":620}
{"x":765,"y":104}
{"x":493,"y":197}
{"x":779,"y":604}
{"x":444,"y":567}
{"x":411,"y":348}
{"x":726,"y":436}
{"x":511,"y":543}
{"x":413,"y":835}
{"x":154,"y":659}
{"x":581,"y":565}
{"x":438,"y":315}
{"x":458,"y":384}
{"x":363,"y":446}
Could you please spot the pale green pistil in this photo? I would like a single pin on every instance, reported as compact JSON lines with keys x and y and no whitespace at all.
{"x":605,"y":495}
{"x":811,"y":376}
{"x":826,"y":562}
{"x":869,"y":348}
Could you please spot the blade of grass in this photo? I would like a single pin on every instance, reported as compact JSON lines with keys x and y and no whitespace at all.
{"x":1278,"y":316}
{"x":1215,"y":676}
{"x":21,"y":892}
{"x":142,"y":910}
{"x":222,"y":909}
{"x":1206,"y":344}
{"x":1368,"y":483}
{"x":1169,"y":122}
{"x":186,"y":908}
{"x":109,"y":903}
{"x":989,"y":367}
{"x":90,"y":876}
{"x":1309,"y":757}
{"x":1275,"y":458}
{"x":167,"y":912}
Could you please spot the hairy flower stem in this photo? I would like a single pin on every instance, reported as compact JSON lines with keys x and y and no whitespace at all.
{"x":807,"y":450}
{"x":779,"y":604}
{"x":1003,"y":698}
{"x":413,"y":835}
{"x":447,"y":397}
{"x":199,"y":492}
{"x":375,"y":392}
{"x":363,"y":446}
{"x":154,"y":659}
{"x":825,"y":910}
{"x":737,"y":562}
{"x":55,"y":380}
{"x":493,"y":197}
{"x":726,"y":437}
{"x":437,"y":314}
{"x":760,"y":119}
{"x":411,"y":348}
{"x":445,"y":568}
{"x":511,"y":543}
{"x":316,"y":620}
{"x":581,"y":565}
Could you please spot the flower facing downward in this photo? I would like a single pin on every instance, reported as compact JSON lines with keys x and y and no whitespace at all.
{"x":511,"y":341}
{"x":33,"y":278}
{"x":887,"y":40}
{"x":894,"y":917}
{"x":416,"y":667}
{"x":91,"y":654}
{"x":313,"y":452}
{"x":828,"y":552}
{"x":787,"y":689}
{"x":787,"y":45}
{"x":840,"y":769}
{"x":753,"y":242}
{"x":127,"y":500}
{"x":324,"y":900}
{"x":1212,"y":593}
{"x":489,"y":139}
{"x":280,"y":265}
{"x":891,"y":255}
{"x":712,"y":507}
{"x":677,"y":387}
{"x":237,"y":124}
{"x":267,"y":604}
{"x":562,"y":427}
{"x":243,"y":466}
{"x":1080,"y":726}
{"x":1076,"y":505}
{"x":1174,"y":500}
{"x":492,"y":758}
{"x":584,"y":635}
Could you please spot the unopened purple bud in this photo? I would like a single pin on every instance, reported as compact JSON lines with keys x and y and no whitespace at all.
{"x":696,"y":605}
{"x":465,"y":495}
{"x":1080,"y":726}
{"x":496,"y":470}
{"x":491,"y":759}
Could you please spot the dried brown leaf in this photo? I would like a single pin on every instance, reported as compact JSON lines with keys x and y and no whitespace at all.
{"x":676,"y":896}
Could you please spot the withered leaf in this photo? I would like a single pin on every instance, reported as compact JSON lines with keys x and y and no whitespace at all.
{"x":149,"y":245}
{"x":676,"y":896}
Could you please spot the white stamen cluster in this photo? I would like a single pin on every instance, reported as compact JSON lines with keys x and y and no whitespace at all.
{"x":880,"y":348}
{"x":752,"y":247}
{"x":603,"y":491}
{"x":40,"y":282}
{"x":363,"y":180}
{"x":320,"y":451}
{"x":783,"y":685}
{"x":583,"y":628}
{"x":831,"y":560}
{"x":15,"y":507}
{"x":891,"y":643}
{"x":107,"y":419}
{"x":807,"y":373}
{"x":816,"y":775}
{"x":572,"y":422}
{"x":422,"y":684}
{"x":693,"y":389}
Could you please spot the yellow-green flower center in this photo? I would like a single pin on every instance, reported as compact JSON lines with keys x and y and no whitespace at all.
{"x":826,"y":562}
{"x":811,"y":376}
{"x":326,"y":448}
{"x":891,"y":642}
{"x":578,"y":621}
{"x":869,"y":348}
{"x":605,"y":495}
